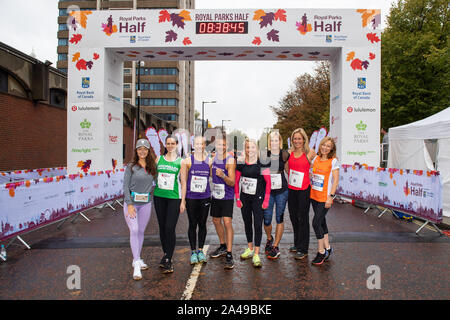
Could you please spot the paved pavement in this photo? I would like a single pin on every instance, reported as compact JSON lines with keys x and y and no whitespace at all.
{"x":410,"y":266}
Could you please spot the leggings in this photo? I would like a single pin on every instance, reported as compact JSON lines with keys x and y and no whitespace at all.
{"x":167,"y":212}
{"x":197,"y":211}
{"x":137,"y":227}
{"x":252,"y":207}
{"x":298,"y":204}
{"x":319,"y":221}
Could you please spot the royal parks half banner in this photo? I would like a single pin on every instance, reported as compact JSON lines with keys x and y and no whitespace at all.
{"x":417,"y":192}
{"x":28,"y":204}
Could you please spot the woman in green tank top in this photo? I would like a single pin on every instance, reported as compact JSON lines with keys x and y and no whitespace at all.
{"x":168,"y":199}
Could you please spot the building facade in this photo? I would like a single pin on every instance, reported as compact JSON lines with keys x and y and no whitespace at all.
{"x":167,"y":87}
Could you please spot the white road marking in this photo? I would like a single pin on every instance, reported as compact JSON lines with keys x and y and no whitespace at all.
{"x":192,"y":281}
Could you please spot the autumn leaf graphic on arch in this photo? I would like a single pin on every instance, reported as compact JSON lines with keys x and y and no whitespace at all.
{"x":109,"y":27}
{"x":358,"y":64}
{"x":84,"y":165}
{"x":81,"y":17}
{"x":303,"y":26}
{"x":370,"y":15}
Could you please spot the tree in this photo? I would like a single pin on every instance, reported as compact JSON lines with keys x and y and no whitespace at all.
{"x":307,"y":105}
{"x":414,"y":61}
{"x":197,"y":114}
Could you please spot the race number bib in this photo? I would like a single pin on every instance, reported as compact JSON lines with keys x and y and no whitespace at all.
{"x":218,"y":191}
{"x":275,"y":181}
{"x":140,"y":197}
{"x":198,"y":184}
{"x":166,"y":181}
{"x":317,"y":181}
{"x":249,"y":185}
{"x":296,"y":178}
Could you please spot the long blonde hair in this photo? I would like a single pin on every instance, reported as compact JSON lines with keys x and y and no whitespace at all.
{"x":305,"y":140}
{"x":247,"y":141}
{"x":279,"y":138}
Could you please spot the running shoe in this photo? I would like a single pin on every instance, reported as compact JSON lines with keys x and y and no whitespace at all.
{"x":293,"y":249}
{"x":274,"y":253}
{"x":201,"y":256}
{"x":300,"y":255}
{"x":330,"y":251}
{"x":163,"y":261}
{"x":194,"y":257}
{"x":137,"y":271}
{"x":247,"y":254}
{"x":229,"y":264}
{"x":168,"y":266}
{"x":220,"y":251}
{"x":256,"y":261}
{"x":142,"y":263}
{"x":269,"y":245}
{"x":320,"y":258}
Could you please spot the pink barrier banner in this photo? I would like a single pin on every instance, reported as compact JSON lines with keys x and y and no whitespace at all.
{"x":26,"y":205}
{"x":416,"y":192}
{"x":19,"y":175}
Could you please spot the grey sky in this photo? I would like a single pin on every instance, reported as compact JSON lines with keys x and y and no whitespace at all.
{"x":237,"y":86}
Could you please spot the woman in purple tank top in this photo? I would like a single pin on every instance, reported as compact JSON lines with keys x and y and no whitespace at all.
{"x":195,"y":171}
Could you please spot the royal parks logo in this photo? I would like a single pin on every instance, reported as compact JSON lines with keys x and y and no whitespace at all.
{"x":361,"y":126}
{"x":85,"y":124}
{"x":361,"y":137}
{"x":326,"y":23}
{"x":133,"y":24}
{"x":85,"y":134}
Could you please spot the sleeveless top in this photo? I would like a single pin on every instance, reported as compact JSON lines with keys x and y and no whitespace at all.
{"x":220,"y":190}
{"x":321,"y":178}
{"x":198,"y":180}
{"x":298,"y":175}
{"x":168,"y":183}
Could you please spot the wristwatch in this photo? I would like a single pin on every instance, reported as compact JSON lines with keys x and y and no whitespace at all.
{"x":332,"y":195}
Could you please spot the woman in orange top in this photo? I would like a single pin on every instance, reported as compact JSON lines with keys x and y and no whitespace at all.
{"x":324,"y":181}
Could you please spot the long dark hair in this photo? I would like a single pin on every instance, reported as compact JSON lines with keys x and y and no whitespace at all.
{"x":150,"y":165}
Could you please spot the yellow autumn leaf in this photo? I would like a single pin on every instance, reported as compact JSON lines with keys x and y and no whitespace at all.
{"x":76,"y":57}
{"x":186,"y":15}
{"x":350,"y":56}
{"x":258,"y":14}
{"x":81,"y":17}
{"x":367,"y":15}
{"x":80,"y":164}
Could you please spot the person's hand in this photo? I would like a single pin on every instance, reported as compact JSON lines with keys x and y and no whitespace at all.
{"x":220,"y":173}
{"x":329,"y":202}
{"x":265,"y":204}
{"x":239,"y":203}
{"x":131,"y":211}
{"x":182,"y":206}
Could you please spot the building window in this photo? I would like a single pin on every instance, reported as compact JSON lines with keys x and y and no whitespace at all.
{"x":157,"y":71}
{"x":127,"y":100}
{"x":58,"y":98}
{"x":63,"y":12}
{"x":3,"y":81}
{"x":62,"y":42}
{"x":127,"y":85}
{"x":62,"y":56}
{"x":62,"y":27}
{"x":167,"y":116}
{"x":127,"y":71}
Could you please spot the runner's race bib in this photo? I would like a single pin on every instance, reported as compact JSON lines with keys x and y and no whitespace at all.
{"x":275,"y":181}
{"x":296,"y":178}
{"x":317,"y":181}
{"x":166,"y":181}
{"x":218,"y":191}
{"x":140,"y":197}
{"x":249,"y":185}
{"x":198,"y":184}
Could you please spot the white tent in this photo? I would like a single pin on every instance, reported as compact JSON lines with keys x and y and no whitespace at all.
{"x":424,"y":145}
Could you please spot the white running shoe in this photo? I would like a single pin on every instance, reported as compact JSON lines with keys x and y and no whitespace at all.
{"x":141,"y":263}
{"x":137,"y":271}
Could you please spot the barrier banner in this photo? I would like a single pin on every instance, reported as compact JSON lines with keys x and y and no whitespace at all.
{"x":19,"y":175}
{"x":416,"y":192}
{"x":29,"y":204}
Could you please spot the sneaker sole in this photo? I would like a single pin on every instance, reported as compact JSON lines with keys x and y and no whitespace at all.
{"x":229,"y":267}
{"x":273,"y":258}
{"x":298,"y":258}
{"x":168,"y":271}
{"x":257,"y":266}
{"x":137,"y":278}
{"x":220,"y":255}
{"x":318,"y":263}
{"x":242,"y":258}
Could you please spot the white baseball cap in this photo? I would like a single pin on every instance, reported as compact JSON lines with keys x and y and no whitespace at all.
{"x":143,"y":143}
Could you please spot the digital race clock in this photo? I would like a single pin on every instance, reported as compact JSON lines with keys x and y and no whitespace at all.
{"x":221,"y":27}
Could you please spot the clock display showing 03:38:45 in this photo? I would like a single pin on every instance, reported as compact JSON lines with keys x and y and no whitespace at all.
{"x":221,"y":27}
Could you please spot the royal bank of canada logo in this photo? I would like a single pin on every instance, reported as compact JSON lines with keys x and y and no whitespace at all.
{"x":361,"y":126}
{"x":329,"y":38}
{"x":85,"y":82}
{"x":361,"y":83}
{"x":132,"y":39}
{"x":109,"y":27}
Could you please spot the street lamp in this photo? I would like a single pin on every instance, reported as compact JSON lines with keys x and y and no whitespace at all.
{"x":222,"y":123}
{"x":203,"y":115}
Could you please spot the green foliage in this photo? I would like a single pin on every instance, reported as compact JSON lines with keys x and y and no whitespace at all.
{"x":415,"y":61}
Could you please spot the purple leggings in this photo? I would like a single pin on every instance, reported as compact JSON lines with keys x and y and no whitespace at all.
{"x":137,"y":227}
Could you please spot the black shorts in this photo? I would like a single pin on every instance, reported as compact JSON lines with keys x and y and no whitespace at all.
{"x":222,"y":208}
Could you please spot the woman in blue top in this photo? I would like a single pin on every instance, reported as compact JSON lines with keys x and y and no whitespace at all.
{"x":195,"y":172}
